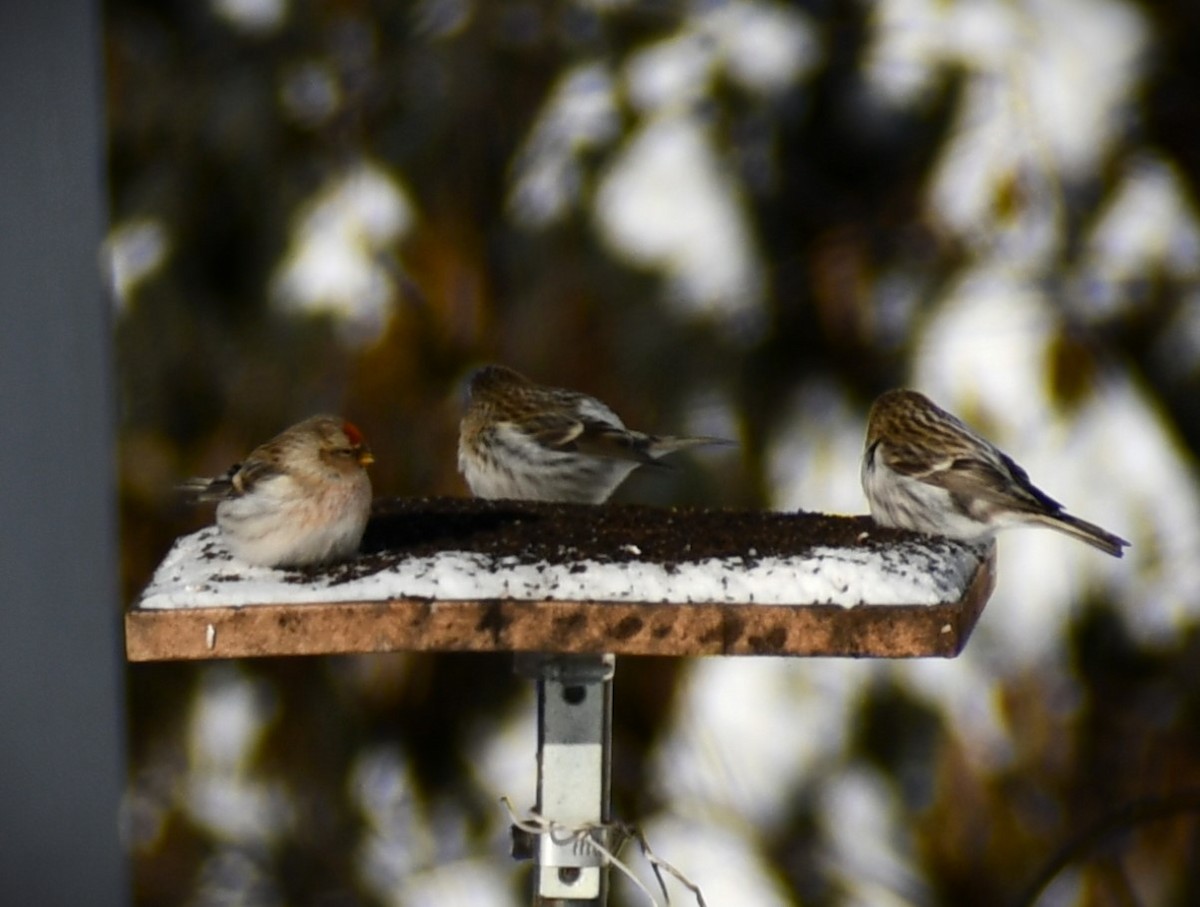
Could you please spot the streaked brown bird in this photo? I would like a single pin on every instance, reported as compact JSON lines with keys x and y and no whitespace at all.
{"x":521,"y":440}
{"x":924,"y":469}
{"x":300,"y":499}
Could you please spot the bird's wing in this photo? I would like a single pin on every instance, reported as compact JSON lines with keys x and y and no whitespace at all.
{"x":555,"y":429}
{"x":570,"y":432}
{"x":999,"y":480}
{"x":600,"y":439}
{"x":605,"y":435}
{"x":916,"y":461}
{"x":254,"y":471}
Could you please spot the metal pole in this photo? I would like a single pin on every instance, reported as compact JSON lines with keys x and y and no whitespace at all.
{"x":574,"y":768}
{"x":61,"y":678}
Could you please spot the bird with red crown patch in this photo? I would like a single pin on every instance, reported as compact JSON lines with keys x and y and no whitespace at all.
{"x":300,"y":499}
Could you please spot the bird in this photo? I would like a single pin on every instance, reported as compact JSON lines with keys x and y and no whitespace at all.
{"x":301,"y":499}
{"x":526,"y":441}
{"x":924,"y":469}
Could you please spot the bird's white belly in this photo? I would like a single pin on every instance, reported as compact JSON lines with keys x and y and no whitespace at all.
{"x":270,"y":527}
{"x":518,"y":468}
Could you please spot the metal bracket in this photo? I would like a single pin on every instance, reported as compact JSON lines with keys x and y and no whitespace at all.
{"x":574,"y":767}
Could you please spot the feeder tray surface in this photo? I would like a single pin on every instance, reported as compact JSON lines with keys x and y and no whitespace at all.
{"x":455,"y":574}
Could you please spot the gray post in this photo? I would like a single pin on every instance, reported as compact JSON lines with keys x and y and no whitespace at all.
{"x":60,"y":671}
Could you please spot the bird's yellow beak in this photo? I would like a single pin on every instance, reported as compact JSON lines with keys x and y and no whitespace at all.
{"x":365,"y":457}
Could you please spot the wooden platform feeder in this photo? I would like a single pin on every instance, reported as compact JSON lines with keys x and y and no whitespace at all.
{"x":572,"y":586}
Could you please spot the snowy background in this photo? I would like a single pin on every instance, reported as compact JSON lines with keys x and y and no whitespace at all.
{"x":740,"y":218}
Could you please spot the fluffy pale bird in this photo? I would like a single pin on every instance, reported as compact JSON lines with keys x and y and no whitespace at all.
{"x":521,"y":440}
{"x":300,"y":499}
{"x":924,"y":469}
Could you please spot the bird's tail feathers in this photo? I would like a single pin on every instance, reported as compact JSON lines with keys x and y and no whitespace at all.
{"x":1085,"y":532}
{"x":205,"y":489}
{"x":661,"y":446}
